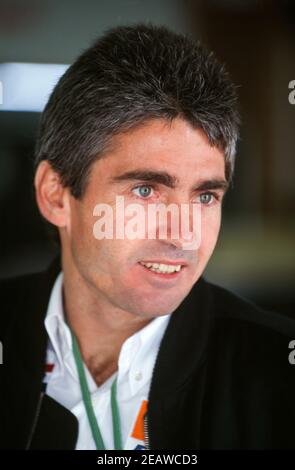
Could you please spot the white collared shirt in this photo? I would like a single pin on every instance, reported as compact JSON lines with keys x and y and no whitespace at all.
{"x":135,"y":366}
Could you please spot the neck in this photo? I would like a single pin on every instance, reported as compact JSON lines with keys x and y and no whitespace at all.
{"x":99,"y":327}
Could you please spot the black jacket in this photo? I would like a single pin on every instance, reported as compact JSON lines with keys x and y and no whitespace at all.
{"x":222,"y":378}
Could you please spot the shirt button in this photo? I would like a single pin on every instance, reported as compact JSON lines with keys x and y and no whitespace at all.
{"x":138,"y":376}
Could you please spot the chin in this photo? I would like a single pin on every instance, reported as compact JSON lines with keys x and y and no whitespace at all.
{"x":157,"y":308}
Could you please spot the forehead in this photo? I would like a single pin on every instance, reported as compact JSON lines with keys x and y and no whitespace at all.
{"x":174,"y":146}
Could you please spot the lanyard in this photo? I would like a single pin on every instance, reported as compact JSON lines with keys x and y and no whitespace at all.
{"x":89,"y":407}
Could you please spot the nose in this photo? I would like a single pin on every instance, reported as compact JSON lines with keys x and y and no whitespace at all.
{"x":182,"y":225}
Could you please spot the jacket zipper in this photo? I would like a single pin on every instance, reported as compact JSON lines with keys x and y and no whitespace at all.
{"x":146,"y":434}
{"x":34,"y":425}
{"x":145,"y":419}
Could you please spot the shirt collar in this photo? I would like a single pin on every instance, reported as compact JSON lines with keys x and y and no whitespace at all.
{"x":55,"y":325}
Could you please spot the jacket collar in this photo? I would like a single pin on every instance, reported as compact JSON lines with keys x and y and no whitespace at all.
{"x":183,"y":348}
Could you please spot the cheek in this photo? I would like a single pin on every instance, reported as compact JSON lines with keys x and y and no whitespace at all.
{"x":210,"y":227}
{"x":81,"y":230}
{"x":108,"y":257}
{"x":83,"y":245}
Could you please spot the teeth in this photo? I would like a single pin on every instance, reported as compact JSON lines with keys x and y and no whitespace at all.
{"x":162,"y":268}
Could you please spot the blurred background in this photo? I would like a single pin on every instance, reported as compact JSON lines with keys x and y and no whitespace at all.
{"x":255,"y":254}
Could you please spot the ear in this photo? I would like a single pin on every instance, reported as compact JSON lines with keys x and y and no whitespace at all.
{"x":52,"y":198}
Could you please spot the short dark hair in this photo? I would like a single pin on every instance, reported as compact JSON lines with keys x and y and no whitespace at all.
{"x":130,"y":75}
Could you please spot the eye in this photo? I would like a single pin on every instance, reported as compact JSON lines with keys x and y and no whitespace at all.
{"x":207,"y":198}
{"x":143,"y":191}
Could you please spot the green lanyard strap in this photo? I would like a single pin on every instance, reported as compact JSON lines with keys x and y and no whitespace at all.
{"x":89,"y":407}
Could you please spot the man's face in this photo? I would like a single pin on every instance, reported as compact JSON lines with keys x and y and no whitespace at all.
{"x":173,"y":164}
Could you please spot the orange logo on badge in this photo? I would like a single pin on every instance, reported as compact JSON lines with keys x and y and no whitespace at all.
{"x":138,"y":430}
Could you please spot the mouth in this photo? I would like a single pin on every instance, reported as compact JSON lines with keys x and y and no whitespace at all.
{"x":165,"y":270}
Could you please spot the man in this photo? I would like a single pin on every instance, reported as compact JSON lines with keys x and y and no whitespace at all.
{"x":122,"y":343}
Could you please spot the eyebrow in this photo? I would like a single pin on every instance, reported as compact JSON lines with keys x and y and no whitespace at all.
{"x":162,"y":177}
